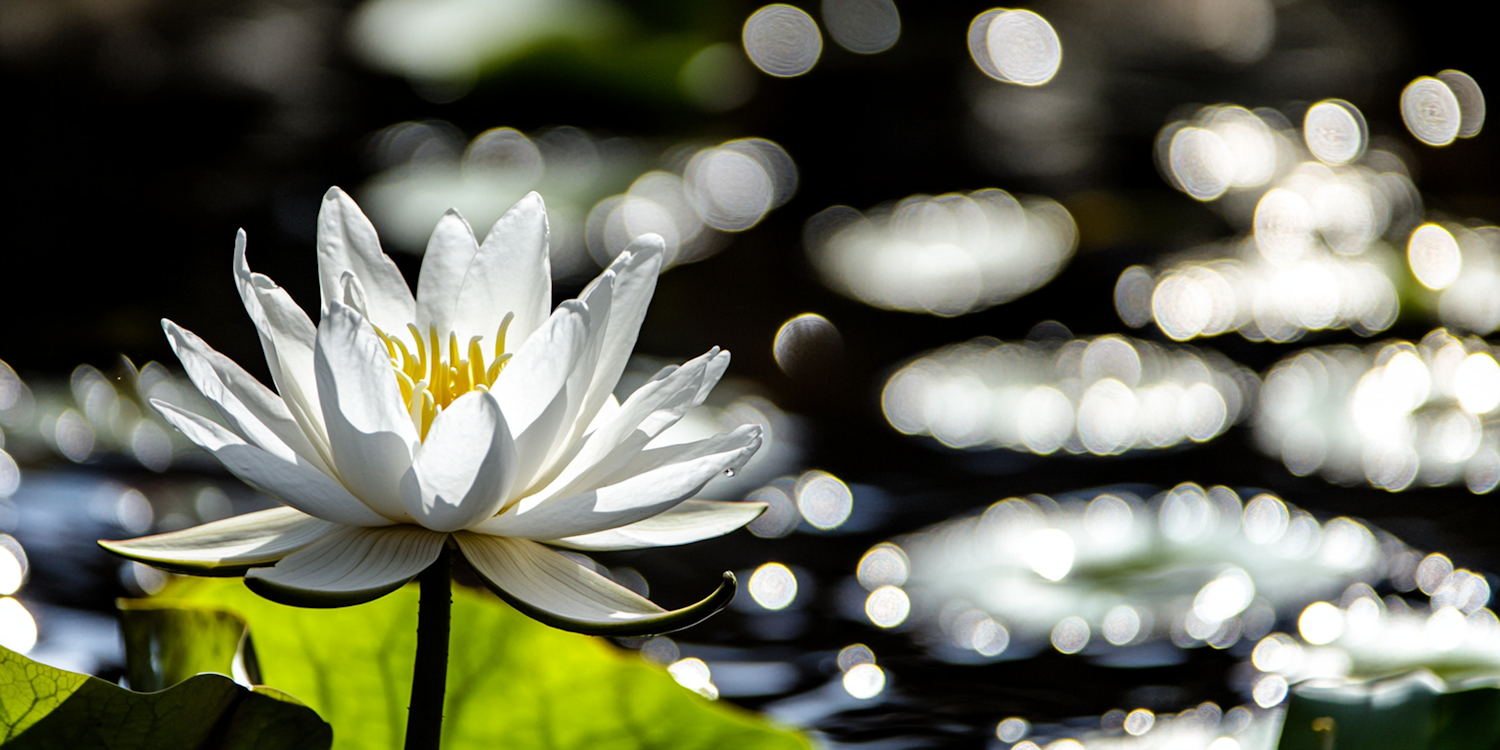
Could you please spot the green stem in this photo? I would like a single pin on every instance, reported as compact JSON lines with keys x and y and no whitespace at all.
{"x":424,"y":719}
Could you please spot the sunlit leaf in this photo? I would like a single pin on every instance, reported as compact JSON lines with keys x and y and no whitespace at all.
{"x":1414,"y":712}
{"x":42,"y":708}
{"x":512,"y":682}
{"x":166,"y":643}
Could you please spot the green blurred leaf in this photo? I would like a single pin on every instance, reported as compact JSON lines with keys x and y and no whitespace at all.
{"x":42,"y":708}
{"x":512,"y":682}
{"x":166,"y":643}
{"x":1412,"y":712}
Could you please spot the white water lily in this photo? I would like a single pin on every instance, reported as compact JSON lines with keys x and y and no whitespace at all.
{"x":471,"y":415}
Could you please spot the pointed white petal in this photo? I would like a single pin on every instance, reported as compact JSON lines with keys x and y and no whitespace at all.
{"x":747,"y":435}
{"x":369,"y":430}
{"x":349,"y":566}
{"x":301,"y":487}
{"x":347,"y":242}
{"x":630,"y":499}
{"x":532,"y":389}
{"x":635,"y":274}
{"x":251,"y":409}
{"x":654,"y":407}
{"x":510,"y":273}
{"x":450,"y":252}
{"x":559,"y":592}
{"x":691,"y":521}
{"x":597,"y":301}
{"x":287,"y":336}
{"x":228,"y":547}
{"x":464,"y":470}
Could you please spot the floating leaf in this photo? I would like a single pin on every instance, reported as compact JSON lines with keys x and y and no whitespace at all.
{"x":168,"y":642}
{"x":512,"y":682}
{"x":1412,"y":712}
{"x":43,"y":708}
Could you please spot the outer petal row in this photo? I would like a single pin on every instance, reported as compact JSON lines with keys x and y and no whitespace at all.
{"x":251,"y":409}
{"x":301,"y":487}
{"x":287,"y":336}
{"x":559,"y":592}
{"x":349,"y":566}
{"x":228,"y":547}
{"x":691,"y":521}
{"x":634,"y":497}
{"x":654,"y":407}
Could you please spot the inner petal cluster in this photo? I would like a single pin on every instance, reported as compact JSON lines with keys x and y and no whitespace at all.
{"x":434,"y":376}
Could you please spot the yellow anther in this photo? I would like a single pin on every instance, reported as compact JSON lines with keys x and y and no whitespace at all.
{"x":429,"y":381}
{"x":407,"y":387}
{"x":384,"y":339}
{"x":403,"y":364}
{"x":416,"y":336}
{"x":476,"y":362}
{"x":500,"y":334}
{"x":429,"y":412}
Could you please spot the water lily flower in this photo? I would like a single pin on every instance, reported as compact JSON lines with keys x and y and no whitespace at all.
{"x":472,"y":416}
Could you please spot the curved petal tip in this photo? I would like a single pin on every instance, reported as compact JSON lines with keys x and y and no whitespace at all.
{"x":315,"y":598}
{"x":669,"y":621}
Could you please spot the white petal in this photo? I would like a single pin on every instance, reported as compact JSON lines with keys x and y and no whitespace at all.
{"x":691,"y":521}
{"x":532,"y":389}
{"x":572,"y":424}
{"x":654,"y":407}
{"x":228,"y":547}
{"x":349,"y":566}
{"x":287,"y":336}
{"x":510,"y":273}
{"x":629,"y":500}
{"x":301,"y":487}
{"x":558,"y":591}
{"x":464,"y":470}
{"x":656,"y":458}
{"x":635,"y":274}
{"x":369,"y":430}
{"x":347,"y":242}
{"x":450,"y":252}
{"x":251,"y":409}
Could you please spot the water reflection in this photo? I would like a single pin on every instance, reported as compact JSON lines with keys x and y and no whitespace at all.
{"x":864,"y":27}
{"x":96,"y":416}
{"x":782,"y":40}
{"x":773,"y":586}
{"x":1193,"y":565}
{"x":946,"y":255}
{"x":1316,"y":252}
{"x":1441,"y":109}
{"x":1105,"y":395}
{"x":694,"y":205}
{"x":1015,"y":46}
{"x":1393,"y":414}
{"x":1204,"y":727}
{"x":700,"y":194}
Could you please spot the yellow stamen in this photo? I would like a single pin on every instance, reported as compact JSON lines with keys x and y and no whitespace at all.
{"x":476,"y":363}
{"x":500,"y":334}
{"x":429,"y":381}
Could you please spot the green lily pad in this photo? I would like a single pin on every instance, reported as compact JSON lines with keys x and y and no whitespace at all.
{"x":1413,"y":712}
{"x":169,"y":642}
{"x":512,"y":682}
{"x":42,"y":708}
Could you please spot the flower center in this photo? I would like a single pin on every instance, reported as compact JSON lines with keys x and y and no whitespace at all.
{"x":435,"y":376}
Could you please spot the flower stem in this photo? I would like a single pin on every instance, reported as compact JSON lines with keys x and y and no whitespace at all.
{"x":424,"y":720}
